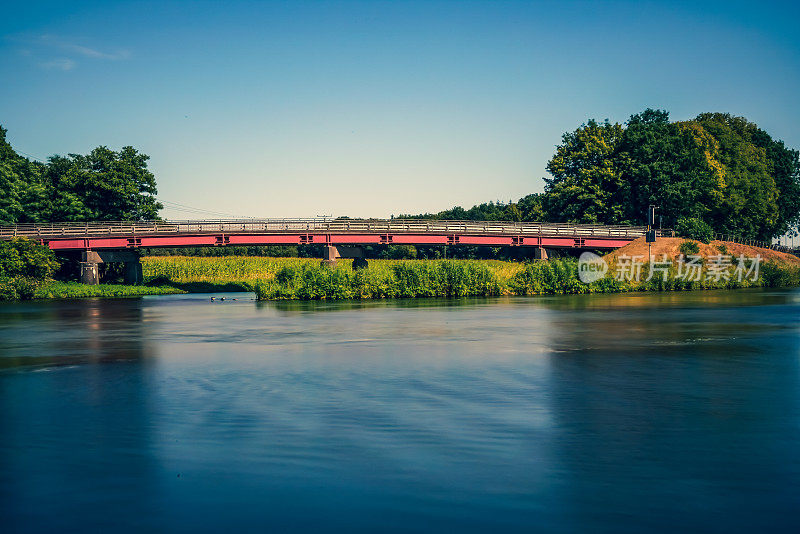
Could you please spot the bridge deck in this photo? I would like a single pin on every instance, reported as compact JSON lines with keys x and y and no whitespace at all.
{"x":114,"y":234}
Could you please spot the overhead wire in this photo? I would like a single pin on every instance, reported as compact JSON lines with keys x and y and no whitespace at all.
{"x":175,"y":206}
{"x":200,"y":211}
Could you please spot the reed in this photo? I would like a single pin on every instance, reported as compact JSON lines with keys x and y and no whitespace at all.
{"x":75,"y":290}
{"x":185,"y":269}
{"x":386,"y":279}
{"x":307,"y":279}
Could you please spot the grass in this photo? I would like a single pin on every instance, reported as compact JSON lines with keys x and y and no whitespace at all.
{"x":454,"y":278}
{"x":75,"y":290}
{"x":307,"y":279}
{"x":207,"y":274}
{"x":216,"y":270}
{"x":387,"y":279}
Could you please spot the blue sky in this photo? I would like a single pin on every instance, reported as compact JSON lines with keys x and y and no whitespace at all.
{"x":290,"y":109}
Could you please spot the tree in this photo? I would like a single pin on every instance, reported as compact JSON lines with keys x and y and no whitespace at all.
{"x":719,"y":169}
{"x":586,"y":181}
{"x":63,"y":198}
{"x":103,"y":185}
{"x":530,"y":207}
{"x":785,"y":170}
{"x":764,"y":173}
{"x":24,"y":266}
{"x":674,"y":166}
{"x":21,"y":257}
{"x":17,"y":175}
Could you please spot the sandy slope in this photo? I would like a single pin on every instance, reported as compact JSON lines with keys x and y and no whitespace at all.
{"x":671,"y":247}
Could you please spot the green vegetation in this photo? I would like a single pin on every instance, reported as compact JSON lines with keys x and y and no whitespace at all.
{"x":221,"y":270}
{"x":75,"y":290}
{"x":717,"y":168}
{"x":307,"y":279}
{"x":714,"y":173}
{"x":305,"y":251}
{"x":24,"y":267}
{"x":454,"y":278}
{"x":406,"y":279}
{"x":694,"y":228}
{"x":102,"y":185}
{"x":270,"y":251}
{"x":689,"y":247}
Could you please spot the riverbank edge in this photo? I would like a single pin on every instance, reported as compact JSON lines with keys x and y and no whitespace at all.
{"x":449,"y":279}
{"x":75,"y":290}
{"x":400,"y":279}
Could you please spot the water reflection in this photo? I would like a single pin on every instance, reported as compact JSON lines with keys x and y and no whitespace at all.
{"x":71,"y":332}
{"x":296,"y":306}
{"x":668,"y":300}
{"x":73,"y":434}
{"x":601,"y":413}
{"x":685,"y":412}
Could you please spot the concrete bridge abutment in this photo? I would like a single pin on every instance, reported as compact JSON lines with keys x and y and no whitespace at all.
{"x":91,"y":260}
{"x":334,"y":252}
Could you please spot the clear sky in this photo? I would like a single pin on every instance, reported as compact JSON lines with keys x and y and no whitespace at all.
{"x":291,"y":109}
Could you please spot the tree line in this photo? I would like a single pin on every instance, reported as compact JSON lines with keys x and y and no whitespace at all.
{"x":718,"y":169}
{"x":104,"y":185}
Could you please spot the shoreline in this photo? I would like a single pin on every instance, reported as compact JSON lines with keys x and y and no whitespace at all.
{"x":276,"y":279}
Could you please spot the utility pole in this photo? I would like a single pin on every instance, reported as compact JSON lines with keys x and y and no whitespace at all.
{"x":650,"y":236}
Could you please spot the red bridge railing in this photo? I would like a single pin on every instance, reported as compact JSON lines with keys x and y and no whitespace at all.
{"x":277,"y":226}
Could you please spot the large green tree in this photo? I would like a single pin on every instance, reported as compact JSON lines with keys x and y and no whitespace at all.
{"x":718,"y":168}
{"x":762,"y":198}
{"x":586,"y":182}
{"x":102,"y":185}
{"x":674,"y":166}
{"x":18,"y":182}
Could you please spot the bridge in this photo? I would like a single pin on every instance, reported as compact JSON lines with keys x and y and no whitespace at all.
{"x":117,"y":241}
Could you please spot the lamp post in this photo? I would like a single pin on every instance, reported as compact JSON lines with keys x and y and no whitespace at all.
{"x":650,"y":236}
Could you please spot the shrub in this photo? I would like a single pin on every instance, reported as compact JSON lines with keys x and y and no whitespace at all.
{"x":694,"y":228}
{"x":549,"y":277}
{"x":400,"y":252}
{"x":24,"y":266}
{"x":772,"y":275}
{"x":7,"y":289}
{"x":22,"y":257}
{"x":689,"y":247}
{"x":404,"y":279}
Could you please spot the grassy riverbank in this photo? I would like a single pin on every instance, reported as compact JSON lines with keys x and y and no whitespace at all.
{"x":455,"y":278}
{"x":307,"y":279}
{"x":75,"y":290}
{"x":242,"y":273}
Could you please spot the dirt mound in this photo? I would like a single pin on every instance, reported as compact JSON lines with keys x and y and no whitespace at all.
{"x":671,"y":247}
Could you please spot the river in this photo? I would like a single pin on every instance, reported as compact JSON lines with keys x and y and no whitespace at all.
{"x":598,"y":413}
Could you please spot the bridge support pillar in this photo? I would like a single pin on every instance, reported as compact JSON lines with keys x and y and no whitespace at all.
{"x":90,"y":273}
{"x":91,"y":260}
{"x":333,"y":253}
{"x":540,"y":253}
{"x":133,"y":273}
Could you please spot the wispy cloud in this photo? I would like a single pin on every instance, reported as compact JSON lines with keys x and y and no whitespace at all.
{"x":57,"y":53}
{"x":62,"y":63}
{"x":93,"y":52}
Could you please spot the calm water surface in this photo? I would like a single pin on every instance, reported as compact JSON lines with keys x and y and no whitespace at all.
{"x":620,"y":413}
